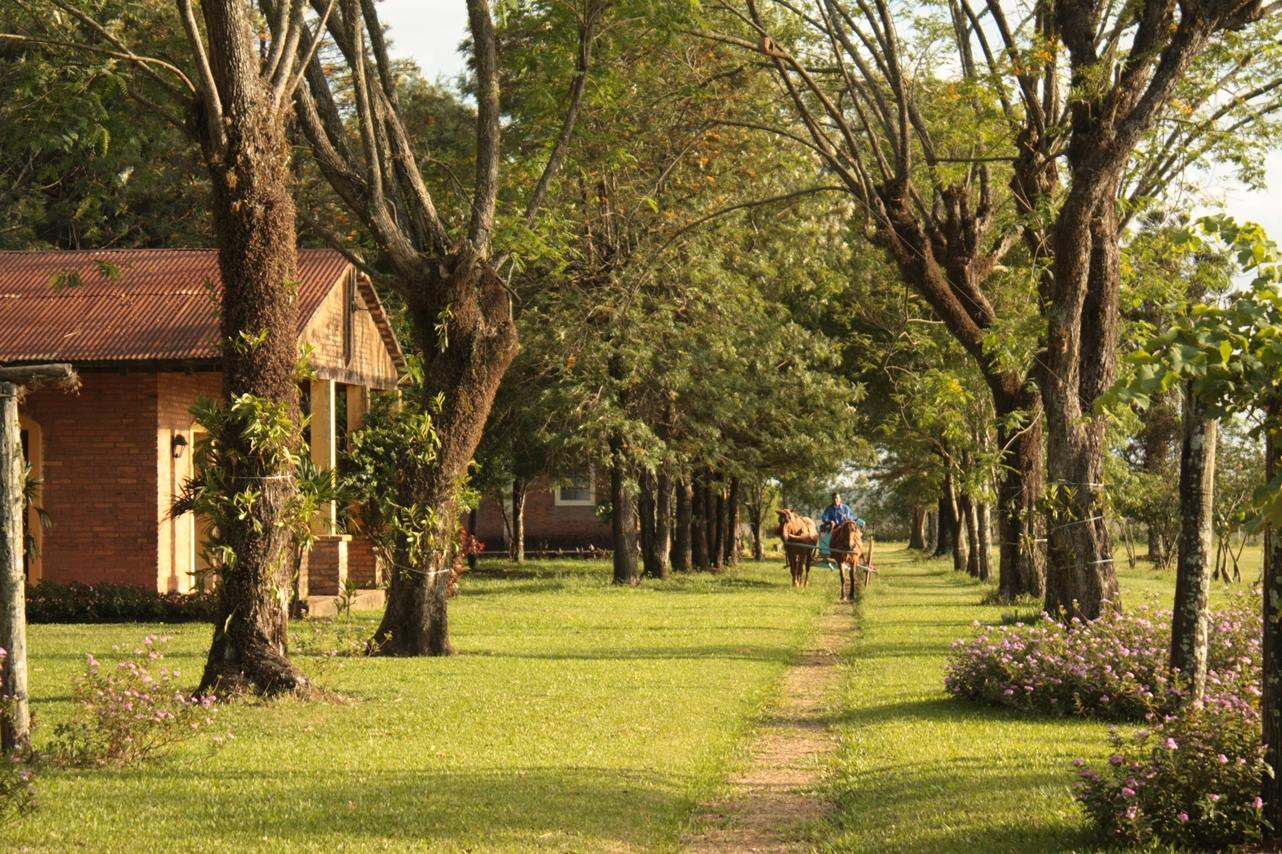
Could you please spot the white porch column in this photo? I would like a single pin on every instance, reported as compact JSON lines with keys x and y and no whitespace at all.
{"x":324,"y":416}
{"x":357,"y":406}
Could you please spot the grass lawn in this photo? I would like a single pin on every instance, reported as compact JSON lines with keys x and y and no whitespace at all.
{"x":921,"y":772}
{"x":577,"y":716}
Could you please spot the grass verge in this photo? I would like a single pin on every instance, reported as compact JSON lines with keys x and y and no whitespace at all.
{"x":919,"y":771}
{"x":577,"y":716}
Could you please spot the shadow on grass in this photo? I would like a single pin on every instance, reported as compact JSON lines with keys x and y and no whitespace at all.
{"x":780,"y":653}
{"x":578,"y":808}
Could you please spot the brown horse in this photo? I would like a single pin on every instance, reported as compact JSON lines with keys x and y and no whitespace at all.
{"x":799,"y":536}
{"x":847,"y":546}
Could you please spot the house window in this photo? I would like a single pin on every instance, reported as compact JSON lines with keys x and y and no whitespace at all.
{"x":578,"y":492}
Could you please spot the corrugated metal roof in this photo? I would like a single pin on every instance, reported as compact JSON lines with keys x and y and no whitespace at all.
{"x":157,"y":307}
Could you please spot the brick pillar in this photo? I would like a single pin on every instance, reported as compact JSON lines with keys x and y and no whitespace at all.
{"x":327,"y":565}
{"x":363,"y":565}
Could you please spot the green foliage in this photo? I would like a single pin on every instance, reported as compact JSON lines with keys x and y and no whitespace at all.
{"x":1229,"y":356}
{"x":248,"y":446}
{"x":383,"y":466}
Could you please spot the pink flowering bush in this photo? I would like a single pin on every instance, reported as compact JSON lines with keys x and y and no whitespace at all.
{"x":17,"y":789}
{"x":1113,"y":668}
{"x":1192,"y":781}
{"x":130,"y":712}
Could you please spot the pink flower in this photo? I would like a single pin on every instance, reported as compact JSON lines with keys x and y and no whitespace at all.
{"x":1172,"y":744}
{"x":1258,"y":803}
{"x":1128,"y":792}
{"x":1183,"y":817}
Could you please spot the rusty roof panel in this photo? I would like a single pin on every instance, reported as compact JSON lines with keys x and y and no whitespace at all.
{"x":154,"y":306}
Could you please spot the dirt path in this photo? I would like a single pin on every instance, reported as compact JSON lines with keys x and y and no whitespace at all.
{"x":772,"y":801}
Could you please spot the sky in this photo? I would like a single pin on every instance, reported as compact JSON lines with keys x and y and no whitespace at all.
{"x":430,"y":31}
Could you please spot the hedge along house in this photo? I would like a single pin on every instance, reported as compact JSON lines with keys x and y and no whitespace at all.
{"x":142,"y":329}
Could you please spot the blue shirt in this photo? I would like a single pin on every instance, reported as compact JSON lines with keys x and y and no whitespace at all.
{"x":835,"y":515}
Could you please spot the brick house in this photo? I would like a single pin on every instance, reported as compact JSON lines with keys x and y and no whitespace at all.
{"x":558,"y":515}
{"x":141,"y":327}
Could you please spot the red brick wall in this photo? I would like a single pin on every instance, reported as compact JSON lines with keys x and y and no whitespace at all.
{"x":362,"y":563}
{"x":100,"y":486}
{"x":547,"y":526}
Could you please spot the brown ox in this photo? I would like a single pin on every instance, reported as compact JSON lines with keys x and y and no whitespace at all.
{"x":847,"y":547}
{"x":799,"y":536}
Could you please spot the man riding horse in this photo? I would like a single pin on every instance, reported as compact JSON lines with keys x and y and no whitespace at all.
{"x":843,"y":540}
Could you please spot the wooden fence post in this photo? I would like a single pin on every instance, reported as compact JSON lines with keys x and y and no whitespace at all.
{"x":15,"y":714}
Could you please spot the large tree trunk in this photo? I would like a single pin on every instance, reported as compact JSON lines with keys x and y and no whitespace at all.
{"x":699,"y":523}
{"x":1271,"y":701}
{"x":1078,"y":366}
{"x":681,"y":538}
{"x":917,"y":529}
{"x":662,"y":526}
{"x":946,"y":524}
{"x":932,"y":530}
{"x":248,"y":163}
{"x":732,"y":523}
{"x":755,"y":523}
{"x":1022,"y":564}
{"x":519,"y":493}
{"x":622,"y":517}
{"x":462,"y":371}
{"x":1193,"y":573}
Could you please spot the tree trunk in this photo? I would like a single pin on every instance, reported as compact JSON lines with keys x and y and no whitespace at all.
{"x":472,"y":559}
{"x":945,"y":523}
{"x":462,"y":371}
{"x":711,"y":495}
{"x":917,"y":532}
{"x":622,"y":517}
{"x":645,"y":516}
{"x":15,"y":715}
{"x":1078,"y":367}
{"x":698,"y":523}
{"x":253,"y":215}
{"x":519,"y":493}
{"x":719,"y":532}
{"x":1022,"y":566}
{"x":985,"y":543}
{"x":681,"y":536}
{"x":970,"y":524}
{"x":662,"y":525}
{"x":755,"y":523}
{"x":1271,"y":701}
{"x":957,"y":525}
{"x":932,"y":530}
{"x":1193,"y":573}
{"x":732,"y":523}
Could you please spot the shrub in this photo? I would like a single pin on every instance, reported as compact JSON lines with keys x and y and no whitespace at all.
{"x":1192,"y":781}
{"x":48,"y":602}
{"x":129,"y":712}
{"x":17,"y":789}
{"x":1112,"y":668}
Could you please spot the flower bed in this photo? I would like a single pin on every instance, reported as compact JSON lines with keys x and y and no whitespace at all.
{"x":1192,"y":781}
{"x":1113,"y":668}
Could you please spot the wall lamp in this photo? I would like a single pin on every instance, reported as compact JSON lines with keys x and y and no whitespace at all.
{"x":180,"y":446}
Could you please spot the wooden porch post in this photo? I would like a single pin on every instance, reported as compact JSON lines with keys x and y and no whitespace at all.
{"x":324,"y":447}
{"x":15,"y":722}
